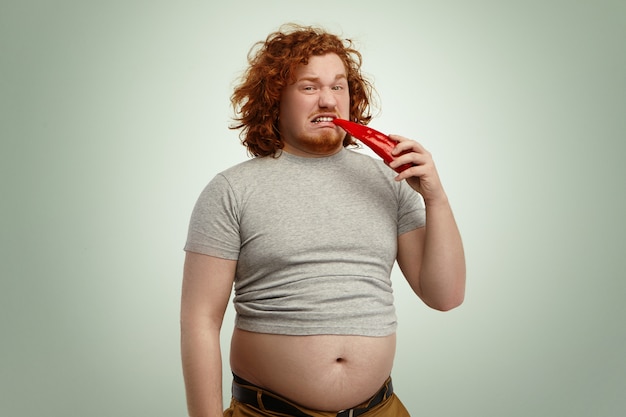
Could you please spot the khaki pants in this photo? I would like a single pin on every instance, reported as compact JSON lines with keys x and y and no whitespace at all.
{"x":391,"y":407}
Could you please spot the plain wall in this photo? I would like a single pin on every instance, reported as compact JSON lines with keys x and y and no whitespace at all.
{"x":115,"y":114}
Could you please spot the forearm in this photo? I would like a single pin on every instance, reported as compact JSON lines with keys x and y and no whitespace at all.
{"x":442,"y":273}
{"x":202,"y":370}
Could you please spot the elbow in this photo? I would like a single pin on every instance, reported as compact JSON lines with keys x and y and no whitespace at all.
{"x":449,"y":304}
{"x":193,"y":324}
{"x":455,"y":294}
{"x":451,"y":300}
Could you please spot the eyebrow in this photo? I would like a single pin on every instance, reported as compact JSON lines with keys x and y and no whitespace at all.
{"x":317,"y":79}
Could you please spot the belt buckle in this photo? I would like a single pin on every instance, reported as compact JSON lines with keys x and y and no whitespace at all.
{"x":342,"y":413}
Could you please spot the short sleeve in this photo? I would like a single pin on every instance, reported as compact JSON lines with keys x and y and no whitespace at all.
{"x":214,"y":225}
{"x":411,"y":209}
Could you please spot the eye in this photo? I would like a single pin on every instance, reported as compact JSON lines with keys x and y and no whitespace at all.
{"x":338,"y":87}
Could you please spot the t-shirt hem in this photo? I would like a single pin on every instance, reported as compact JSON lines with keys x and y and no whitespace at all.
{"x":316,"y":330}
{"x":207,"y":250}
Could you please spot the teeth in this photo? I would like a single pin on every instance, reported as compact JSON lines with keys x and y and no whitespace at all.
{"x":323,"y":119}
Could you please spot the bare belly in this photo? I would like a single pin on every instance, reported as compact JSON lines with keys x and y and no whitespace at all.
{"x":324,"y":372}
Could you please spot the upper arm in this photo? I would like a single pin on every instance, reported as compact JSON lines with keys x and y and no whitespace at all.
{"x":409,"y":257}
{"x":207,"y":285}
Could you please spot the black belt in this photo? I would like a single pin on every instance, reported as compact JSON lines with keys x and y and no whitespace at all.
{"x":247,"y":393}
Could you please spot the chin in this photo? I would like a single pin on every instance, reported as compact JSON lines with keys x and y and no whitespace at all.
{"x":326,"y":141}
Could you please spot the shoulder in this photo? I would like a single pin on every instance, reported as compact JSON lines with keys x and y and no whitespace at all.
{"x":246,"y":171}
{"x":246,"y":166}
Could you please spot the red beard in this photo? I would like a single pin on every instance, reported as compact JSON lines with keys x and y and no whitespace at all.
{"x":324,"y":142}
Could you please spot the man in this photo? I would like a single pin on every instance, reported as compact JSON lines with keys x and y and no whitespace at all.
{"x":308,"y":231}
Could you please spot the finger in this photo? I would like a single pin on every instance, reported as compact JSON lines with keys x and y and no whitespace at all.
{"x":406,"y":144}
{"x":411,"y":157}
{"x":414,"y":171}
{"x":398,"y":138}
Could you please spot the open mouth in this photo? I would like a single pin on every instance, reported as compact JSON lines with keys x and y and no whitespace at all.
{"x":323,"y":119}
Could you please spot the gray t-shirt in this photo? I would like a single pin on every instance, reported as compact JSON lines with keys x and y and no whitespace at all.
{"x":315,"y":240}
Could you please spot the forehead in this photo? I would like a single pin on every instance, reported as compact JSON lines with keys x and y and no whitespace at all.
{"x":329,"y":65}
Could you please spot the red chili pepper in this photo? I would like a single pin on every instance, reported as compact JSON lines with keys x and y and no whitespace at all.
{"x":380,"y":143}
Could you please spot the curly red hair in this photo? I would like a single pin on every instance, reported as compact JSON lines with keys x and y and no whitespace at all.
{"x":272,"y":65}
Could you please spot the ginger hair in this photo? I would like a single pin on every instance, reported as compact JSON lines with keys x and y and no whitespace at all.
{"x":272,"y":66}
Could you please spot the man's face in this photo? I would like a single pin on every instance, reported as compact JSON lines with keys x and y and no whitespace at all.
{"x":319,"y":94}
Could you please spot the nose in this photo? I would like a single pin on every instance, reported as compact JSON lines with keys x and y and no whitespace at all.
{"x":327,"y":98}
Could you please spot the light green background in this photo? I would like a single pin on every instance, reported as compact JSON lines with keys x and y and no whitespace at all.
{"x":114,"y":115}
